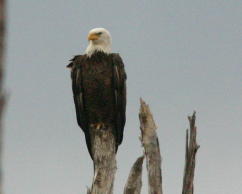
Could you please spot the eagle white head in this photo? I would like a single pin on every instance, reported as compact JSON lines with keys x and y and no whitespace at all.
{"x":99,"y":40}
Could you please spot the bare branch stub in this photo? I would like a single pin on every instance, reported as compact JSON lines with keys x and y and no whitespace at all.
{"x":190,"y":156}
{"x":104,"y":159}
{"x":150,"y":143}
{"x":134,"y":182}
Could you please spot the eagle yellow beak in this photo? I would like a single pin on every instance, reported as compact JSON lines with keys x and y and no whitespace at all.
{"x":92,"y":37}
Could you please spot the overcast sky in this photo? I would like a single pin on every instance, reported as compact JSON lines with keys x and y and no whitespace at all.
{"x":179,"y":56}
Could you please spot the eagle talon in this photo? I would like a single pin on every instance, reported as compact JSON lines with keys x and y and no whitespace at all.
{"x":100,"y":126}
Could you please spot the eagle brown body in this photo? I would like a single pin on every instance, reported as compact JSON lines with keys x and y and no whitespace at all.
{"x":99,"y":91}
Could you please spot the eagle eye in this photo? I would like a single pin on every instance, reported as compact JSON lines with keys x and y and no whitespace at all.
{"x":99,"y":33}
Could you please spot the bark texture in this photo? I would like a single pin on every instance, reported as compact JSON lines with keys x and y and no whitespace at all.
{"x":190,"y":157}
{"x":134,"y":182}
{"x":104,"y":158}
{"x":2,"y":97}
{"x":150,"y":143}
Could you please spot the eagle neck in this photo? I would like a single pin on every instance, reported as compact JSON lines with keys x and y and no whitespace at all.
{"x":94,"y":48}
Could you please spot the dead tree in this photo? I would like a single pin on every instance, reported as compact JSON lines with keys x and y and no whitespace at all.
{"x":103,"y":144}
{"x":104,"y":161}
{"x":2,"y":97}
{"x":191,"y":150}
{"x":150,"y":143}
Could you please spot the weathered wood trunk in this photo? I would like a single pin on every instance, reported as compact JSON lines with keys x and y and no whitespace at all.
{"x":104,"y":160}
{"x":190,"y":156}
{"x":150,"y":143}
{"x":103,"y":148}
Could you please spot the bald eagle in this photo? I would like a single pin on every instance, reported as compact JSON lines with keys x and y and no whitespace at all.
{"x":99,"y":87}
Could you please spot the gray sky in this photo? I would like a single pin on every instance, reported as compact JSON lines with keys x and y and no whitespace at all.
{"x":180,"y":56}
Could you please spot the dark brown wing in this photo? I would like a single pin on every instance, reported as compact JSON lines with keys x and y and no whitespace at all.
{"x":77,"y":88}
{"x":119,"y":79}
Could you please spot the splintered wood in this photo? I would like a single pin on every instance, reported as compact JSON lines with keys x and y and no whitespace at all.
{"x":104,"y":159}
{"x":150,"y":143}
{"x":134,"y":182}
{"x":190,"y":156}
